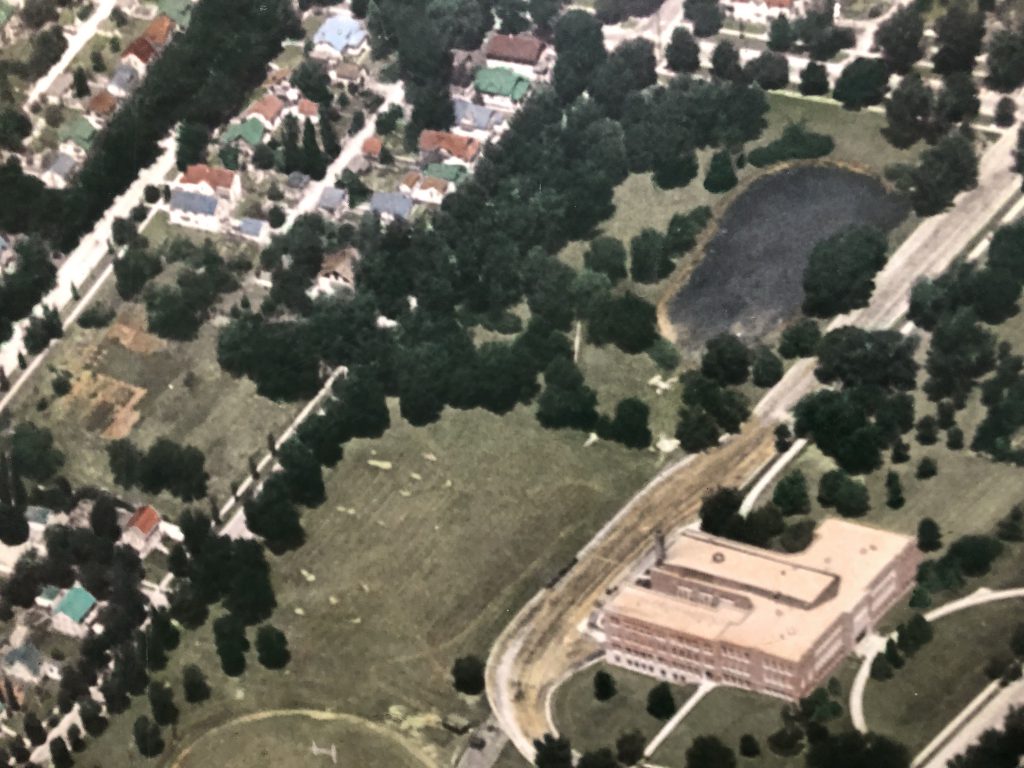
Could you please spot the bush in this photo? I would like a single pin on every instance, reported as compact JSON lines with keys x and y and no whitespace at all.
{"x":796,"y":143}
{"x":767,"y":368}
{"x":664,"y":354}
{"x":720,"y":176}
{"x":604,"y":686}
{"x":661,"y":704}
{"x":1006,"y":112}
{"x":749,"y":746}
{"x":927,"y":468}
{"x":468,"y":675}
{"x":275,"y":217}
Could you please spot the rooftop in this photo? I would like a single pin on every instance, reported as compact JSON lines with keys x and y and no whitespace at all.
{"x":765,"y":583}
{"x":392,"y":203}
{"x":250,"y":131}
{"x":269,"y":107}
{"x":103,"y":103}
{"x":180,"y":11}
{"x":76,"y":604}
{"x":478,"y":116}
{"x":499,"y":81}
{"x":26,"y":654}
{"x":193,"y":202}
{"x":36,"y":514}
{"x":308,"y":108}
{"x":521,"y":49}
{"x":332,"y":197}
{"x":446,"y":171}
{"x":251,"y":227}
{"x":160,"y":30}
{"x":146,"y":519}
{"x":140,"y":48}
{"x":62,"y":165}
{"x":372,"y":146}
{"x":200,"y":173}
{"x":340,"y":32}
{"x":461,"y":147}
{"x":77,"y":129}
{"x":125,"y":77}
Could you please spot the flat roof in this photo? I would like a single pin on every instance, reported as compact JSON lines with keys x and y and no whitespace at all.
{"x":76,"y":604}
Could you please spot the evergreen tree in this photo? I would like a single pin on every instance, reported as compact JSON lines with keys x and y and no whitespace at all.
{"x":660,"y":702}
{"x":780,"y":34}
{"x":34,"y":730}
{"x":929,"y":536}
{"x":894,"y":491}
{"x":161,"y":701}
{"x":604,"y":686}
{"x":272,"y":647}
{"x":720,"y":176}
{"x":80,"y":83}
{"x":313,"y":162}
{"x":147,"y":737}
{"x":328,"y":137}
{"x":194,"y":684}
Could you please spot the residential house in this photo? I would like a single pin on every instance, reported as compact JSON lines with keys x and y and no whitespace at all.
{"x":520,"y":53}
{"x":76,"y":135}
{"x":337,"y":273}
{"x":359,"y":165}
{"x":250,"y":131}
{"x":201,"y":178}
{"x":764,"y":11}
{"x":340,"y":35}
{"x":138,"y":55}
{"x":372,"y":147}
{"x":392,"y":205}
{"x":332,"y":200}
{"x":160,"y":31}
{"x":448,"y":171}
{"x":347,"y":72}
{"x":255,"y":229}
{"x":425,"y":189}
{"x":465,"y":65}
{"x":124,"y":80}
{"x":59,"y":169}
{"x":74,"y":612}
{"x":500,"y":87}
{"x":444,"y":146}
{"x":478,"y":121}
{"x":179,"y":11}
{"x":303,"y":109}
{"x":142,"y":532}
{"x":193,"y":209}
{"x":27,"y":664}
{"x":47,"y":597}
{"x":102,"y":104}
{"x":268,"y":111}
{"x":297,"y":180}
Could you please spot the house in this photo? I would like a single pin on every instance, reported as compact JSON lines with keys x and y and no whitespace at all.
{"x":159,"y":31}
{"x":501,"y":87}
{"x":142,"y":532}
{"x":347,"y":72}
{"x":409,"y":182}
{"x":254,"y":229}
{"x":358,"y":165}
{"x":372,"y":147}
{"x":340,"y":35}
{"x":78,"y":131}
{"x":337,"y":273}
{"x":450,"y":172}
{"x":200,"y":177}
{"x":267,"y":110}
{"x":465,"y":65}
{"x":250,"y":131}
{"x":303,"y":109}
{"x":430,"y":190}
{"x":179,"y":11}
{"x":74,"y":612}
{"x":59,"y":170}
{"x":478,"y":121}
{"x":297,"y":180}
{"x":763,"y":11}
{"x":27,"y":664}
{"x":392,"y":205}
{"x":47,"y":597}
{"x":194,"y":209}
{"x":124,"y":80}
{"x":102,"y":104}
{"x":332,"y":200}
{"x":139,"y":54}
{"x":442,"y":145}
{"x":519,"y":53}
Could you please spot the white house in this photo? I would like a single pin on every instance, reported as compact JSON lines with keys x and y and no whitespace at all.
{"x":340,"y":35}
{"x":201,"y":178}
{"x":195,"y":210}
{"x":142,"y":532}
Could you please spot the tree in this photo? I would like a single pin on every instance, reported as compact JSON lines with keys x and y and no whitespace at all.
{"x":607,"y":256}
{"x":706,"y":16}
{"x":958,"y":100}
{"x":272,"y":647}
{"x":661,"y":704}
{"x":800,"y":339}
{"x":841,"y":269}
{"x":682,"y":53}
{"x":1005,"y":61}
{"x":852,"y":748}
{"x":769,"y":70}
{"x":894,"y":491}
{"x":147,"y":737}
{"x":814,"y":80}
{"x":881,"y":669}
{"x":780,"y":34}
{"x":80,"y":83}
{"x":944,"y":170}
{"x":862,"y":83}
{"x":974,"y":554}
{"x":552,"y":752}
{"x":709,"y":752}
{"x":604,"y":685}
{"x":34,"y":730}
{"x":629,"y":426}
{"x":194,"y":684}
{"x":313,"y":161}
{"x":790,"y":494}
{"x":579,"y":43}
{"x":1006,"y":112}
{"x":630,"y":67}
{"x":627,"y":321}
{"x":60,"y":754}
{"x":15,"y":127}
{"x":726,"y":359}
{"x":468,"y":675}
{"x":649,"y":260}
{"x":38,"y":13}
{"x":161,"y":701}
{"x":718,"y":508}
{"x":725,"y":62}
{"x":302,"y":474}
{"x":767,"y":368}
{"x":960,"y":352}
{"x":629,"y":747}
{"x":910,"y":112}
{"x":696,"y":430}
{"x":959,"y":34}
{"x":748,"y":744}
{"x":899,"y":37}
{"x":33,"y":453}
{"x":193,"y":139}
{"x":720,"y":176}
{"x":231,"y":642}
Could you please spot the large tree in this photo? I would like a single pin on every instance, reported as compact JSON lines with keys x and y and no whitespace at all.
{"x":862,"y":83}
{"x":899,"y":37}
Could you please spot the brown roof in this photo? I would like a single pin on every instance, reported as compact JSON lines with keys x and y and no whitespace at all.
{"x":308,"y":108}
{"x":410,"y":179}
{"x":462,"y":147}
{"x":103,"y":103}
{"x":141,"y":49}
{"x":145,"y":519}
{"x":430,"y":182}
{"x":521,"y":49}
{"x":340,"y":263}
{"x":372,"y":146}
{"x":217,"y":178}
{"x":159,"y":31}
{"x":269,"y":107}
{"x":348,"y":70}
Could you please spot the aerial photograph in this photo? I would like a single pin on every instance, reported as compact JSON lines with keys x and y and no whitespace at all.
{"x":511,"y":383}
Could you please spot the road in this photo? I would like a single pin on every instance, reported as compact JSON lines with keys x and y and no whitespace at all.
{"x":543,"y":641}
{"x":82,"y":35}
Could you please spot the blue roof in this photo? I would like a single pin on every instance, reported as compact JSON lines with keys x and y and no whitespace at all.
{"x":63,"y":165}
{"x":26,"y":654}
{"x":332,"y":197}
{"x":251,"y":227}
{"x":125,"y":77}
{"x":340,"y":32}
{"x":76,"y":604}
{"x":36,"y":514}
{"x":297,"y":179}
{"x":393,"y":203}
{"x":481,"y":117}
{"x":193,"y":202}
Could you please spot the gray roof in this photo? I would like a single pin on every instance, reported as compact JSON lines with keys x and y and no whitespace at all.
{"x":125,"y":77}
{"x":38,"y":514}
{"x":193,"y":202}
{"x":332,"y":197}
{"x":479,"y":116}
{"x":63,"y":165}
{"x":393,"y":203}
{"x":26,"y":654}
{"x":297,"y":179}
{"x":251,"y":227}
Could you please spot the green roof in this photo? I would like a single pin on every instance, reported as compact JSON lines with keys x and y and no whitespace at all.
{"x":50,"y":592}
{"x":452,"y":173}
{"x":179,"y":10}
{"x":6,"y":11}
{"x":76,"y":604}
{"x":251,"y":132}
{"x":499,"y":81}
{"x":77,"y":129}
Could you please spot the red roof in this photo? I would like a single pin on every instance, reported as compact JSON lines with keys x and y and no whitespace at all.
{"x":145,"y":519}
{"x":103,"y":103}
{"x":217,"y":178}
{"x":372,"y":146}
{"x":159,"y":31}
{"x":141,"y":49}
{"x":269,"y":107}
{"x":308,"y":108}
{"x":521,"y":49}
{"x":462,"y":147}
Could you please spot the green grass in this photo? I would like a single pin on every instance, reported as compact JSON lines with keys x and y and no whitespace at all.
{"x":942,"y":677}
{"x":417,"y":579}
{"x":590,"y":724}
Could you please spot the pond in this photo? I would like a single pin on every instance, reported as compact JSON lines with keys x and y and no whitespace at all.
{"x":750,"y":277}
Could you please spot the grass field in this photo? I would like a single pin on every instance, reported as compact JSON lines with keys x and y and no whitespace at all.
{"x":590,"y":724}
{"x":942,"y":677}
{"x":421,"y":572}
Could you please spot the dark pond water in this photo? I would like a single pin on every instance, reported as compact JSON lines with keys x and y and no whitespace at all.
{"x":750,"y":277}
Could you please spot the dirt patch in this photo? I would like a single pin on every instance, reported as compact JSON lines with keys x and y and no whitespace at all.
{"x":128,"y":331}
{"x":109,"y":405}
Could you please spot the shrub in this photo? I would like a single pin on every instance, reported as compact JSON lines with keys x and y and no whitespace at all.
{"x":796,"y":143}
{"x":927,"y":468}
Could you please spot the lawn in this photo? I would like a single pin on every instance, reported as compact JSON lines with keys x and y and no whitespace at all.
{"x":590,"y":724}
{"x":411,"y":573}
{"x":942,"y":677}
{"x":729,"y":713}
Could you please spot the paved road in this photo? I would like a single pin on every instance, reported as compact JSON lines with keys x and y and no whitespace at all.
{"x":82,"y":35}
